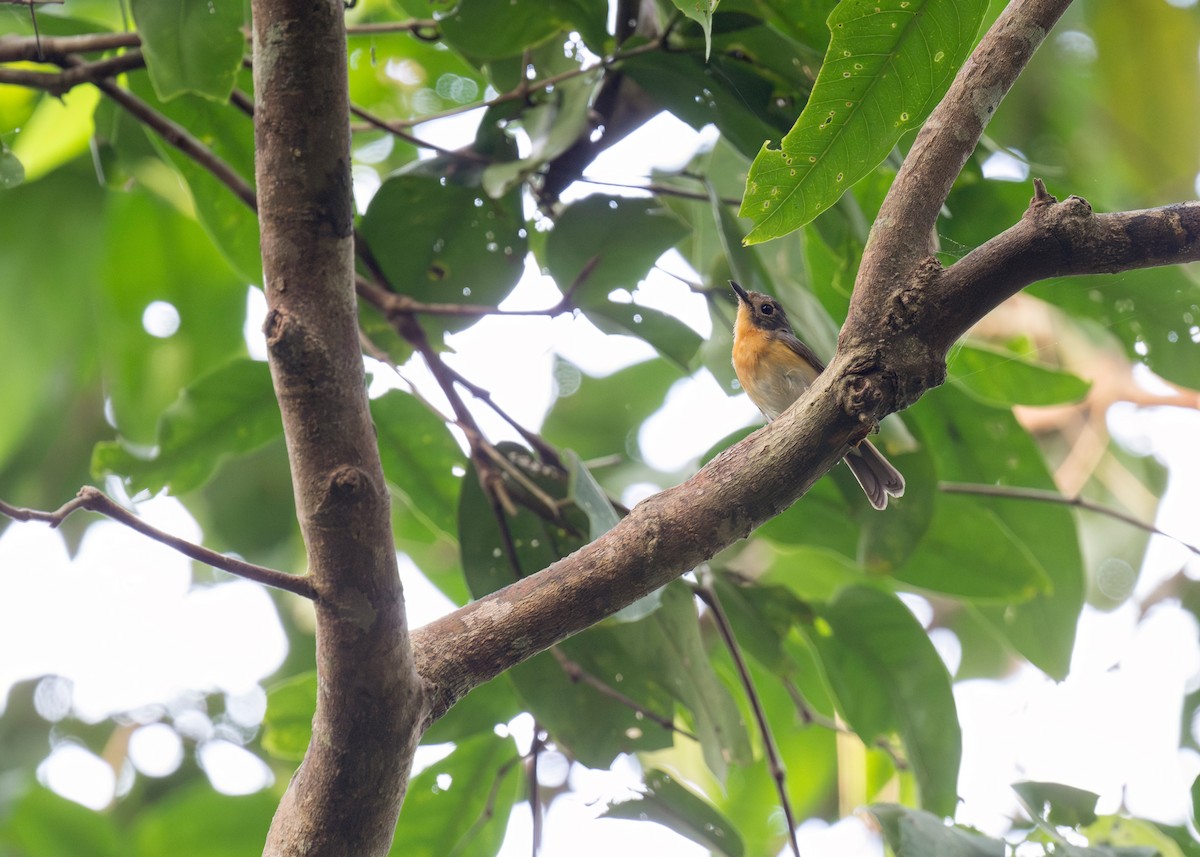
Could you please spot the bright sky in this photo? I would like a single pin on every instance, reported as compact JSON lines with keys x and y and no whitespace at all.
{"x":123,"y":628}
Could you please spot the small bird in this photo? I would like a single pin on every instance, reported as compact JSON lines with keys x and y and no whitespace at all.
{"x":774,"y":368}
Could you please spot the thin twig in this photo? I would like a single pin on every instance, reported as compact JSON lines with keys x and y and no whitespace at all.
{"x":1038,"y":495}
{"x":59,"y":82}
{"x":524,"y":88}
{"x":535,"y":788}
{"x":577,"y":674}
{"x":94,"y":500}
{"x":381,"y":124}
{"x":662,"y":190}
{"x":707,"y":593}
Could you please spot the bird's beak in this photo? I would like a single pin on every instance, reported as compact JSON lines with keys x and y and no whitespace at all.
{"x":743,"y":296}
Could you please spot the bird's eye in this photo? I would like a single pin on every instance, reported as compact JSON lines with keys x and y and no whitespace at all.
{"x":767,"y":309}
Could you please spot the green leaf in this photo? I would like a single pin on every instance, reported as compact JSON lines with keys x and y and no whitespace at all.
{"x":671,"y":337}
{"x":887,"y":677}
{"x":42,"y":824}
{"x":287,"y":726}
{"x":600,"y":416}
{"x":601,"y":243}
{"x":675,"y":806}
{"x":419,"y":456}
{"x":887,"y":65}
{"x":191,"y":45}
{"x":57,"y":132}
{"x":915,"y":833}
{"x":438,"y":241}
{"x":723,"y":92}
{"x":12,"y":171}
{"x":1000,"y":377}
{"x":974,"y":443}
{"x":492,"y":29}
{"x":486,"y":534}
{"x":969,"y":551}
{"x":200,"y":822}
{"x":230,"y":412}
{"x":231,"y":224}
{"x":1133,"y":837}
{"x":1057,"y":804}
{"x":460,"y":805}
{"x":553,"y":126}
{"x":671,"y":636}
{"x":700,"y":11}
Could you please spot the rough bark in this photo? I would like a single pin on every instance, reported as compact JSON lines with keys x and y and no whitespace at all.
{"x":346,"y":795}
{"x":905,"y":314}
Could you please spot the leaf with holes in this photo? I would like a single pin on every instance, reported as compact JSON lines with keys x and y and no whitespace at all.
{"x":888,"y":64}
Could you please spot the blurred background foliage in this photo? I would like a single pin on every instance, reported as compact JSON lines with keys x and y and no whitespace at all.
{"x":102,"y":218}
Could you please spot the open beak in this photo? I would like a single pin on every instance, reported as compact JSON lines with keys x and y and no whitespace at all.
{"x":743,"y":296}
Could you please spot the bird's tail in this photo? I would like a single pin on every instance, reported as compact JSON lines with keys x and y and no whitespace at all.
{"x":875,"y":474}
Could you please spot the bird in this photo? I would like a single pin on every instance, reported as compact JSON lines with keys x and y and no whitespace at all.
{"x":775,"y":367}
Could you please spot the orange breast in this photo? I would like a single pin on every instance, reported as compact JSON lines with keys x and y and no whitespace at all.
{"x":771,"y":373}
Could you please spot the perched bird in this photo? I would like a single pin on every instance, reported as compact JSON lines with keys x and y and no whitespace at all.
{"x":774,"y":368}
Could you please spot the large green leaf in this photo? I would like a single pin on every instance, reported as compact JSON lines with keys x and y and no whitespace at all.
{"x":672,"y":338}
{"x":230,"y":222}
{"x":974,"y":443}
{"x":914,"y":833}
{"x":438,"y":241}
{"x":287,"y":725}
{"x":600,"y":416}
{"x":460,"y":805}
{"x":601,"y":243}
{"x":57,"y":132}
{"x":229,"y":412}
{"x":725,"y":93}
{"x":673,"y":805}
{"x":42,"y":824}
{"x":668,"y":643}
{"x":419,"y":457}
{"x":888,"y":64}
{"x":154,"y":253}
{"x":887,"y":677}
{"x":1000,"y":377}
{"x":201,"y":822}
{"x":191,"y":45}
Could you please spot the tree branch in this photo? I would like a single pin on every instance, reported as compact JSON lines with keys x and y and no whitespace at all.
{"x":892,"y":289}
{"x":94,"y":500}
{"x":887,"y":357}
{"x":346,"y":795}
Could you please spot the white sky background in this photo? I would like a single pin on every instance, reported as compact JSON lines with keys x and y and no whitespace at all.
{"x":121,"y":622}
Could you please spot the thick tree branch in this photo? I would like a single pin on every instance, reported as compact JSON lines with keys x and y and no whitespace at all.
{"x":346,"y":795}
{"x":95,"y":500}
{"x":891,"y":350}
{"x":892,"y":285}
{"x":1058,"y":239}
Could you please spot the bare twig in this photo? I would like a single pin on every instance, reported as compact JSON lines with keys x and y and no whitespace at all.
{"x":522,"y":90}
{"x":381,"y":124}
{"x":576,"y":673}
{"x":60,"y":82}
{"x":94,"y":500}
{"x":1038,"y":495}
{"x":535,"y":788}
{"x":707,"y":593}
